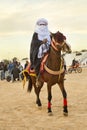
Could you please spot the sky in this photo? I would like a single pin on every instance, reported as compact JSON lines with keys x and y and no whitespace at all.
{"x":18,"y":19}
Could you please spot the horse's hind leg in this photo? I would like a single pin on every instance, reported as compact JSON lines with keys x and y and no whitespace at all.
{"x":65,"y":110}
{"x":37,"y":89}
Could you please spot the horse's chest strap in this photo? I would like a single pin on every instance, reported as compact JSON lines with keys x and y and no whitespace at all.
{"x":54,"y":72}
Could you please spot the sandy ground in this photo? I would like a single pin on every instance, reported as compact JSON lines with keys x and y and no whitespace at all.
{"x":19,"y":112}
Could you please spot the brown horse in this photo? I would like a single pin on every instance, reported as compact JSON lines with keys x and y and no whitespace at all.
{"x":53,"y":72}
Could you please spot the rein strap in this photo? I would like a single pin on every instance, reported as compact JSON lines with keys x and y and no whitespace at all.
{"x":52,"y":43}
{"x":53,"y":72}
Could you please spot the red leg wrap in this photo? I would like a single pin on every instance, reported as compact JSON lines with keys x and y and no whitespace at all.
{"x":65,"y":102}
{"x":49,"y":105}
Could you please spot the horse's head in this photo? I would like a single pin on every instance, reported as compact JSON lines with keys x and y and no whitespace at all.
{"x":59,"y":41}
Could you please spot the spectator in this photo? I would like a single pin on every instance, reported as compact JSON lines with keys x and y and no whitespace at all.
{"x":20,"y":66}
{"x":10,"y":67}
{"x":15,"y":73}
{"x":26,"y":64}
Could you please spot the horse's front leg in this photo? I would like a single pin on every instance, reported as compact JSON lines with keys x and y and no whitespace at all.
{"x":65,"y":109}
{"x":49,"y":100}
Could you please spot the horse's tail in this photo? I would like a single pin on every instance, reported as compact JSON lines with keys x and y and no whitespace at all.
{"x":26,"y":76}
{"x":29,"y":84}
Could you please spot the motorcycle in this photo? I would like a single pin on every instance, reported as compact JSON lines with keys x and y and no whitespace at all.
{"x":76,"y":68}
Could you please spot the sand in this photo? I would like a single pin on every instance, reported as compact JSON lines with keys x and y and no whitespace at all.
{"x":18,"y":110}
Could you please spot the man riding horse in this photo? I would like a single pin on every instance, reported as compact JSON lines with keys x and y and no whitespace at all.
{"x":53,"y":68}
{"x":40,"y":44}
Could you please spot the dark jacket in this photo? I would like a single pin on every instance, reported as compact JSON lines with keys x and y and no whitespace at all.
{"x":35,"y":44}
{"x":15,"y":73}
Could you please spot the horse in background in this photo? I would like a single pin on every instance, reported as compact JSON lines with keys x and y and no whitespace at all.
{"x":53,"y":72}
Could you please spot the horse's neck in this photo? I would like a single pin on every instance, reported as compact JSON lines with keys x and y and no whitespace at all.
{"x":54,"y":59}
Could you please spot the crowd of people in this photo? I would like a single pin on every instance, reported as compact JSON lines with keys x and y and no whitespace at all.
{"x":11,"y":71}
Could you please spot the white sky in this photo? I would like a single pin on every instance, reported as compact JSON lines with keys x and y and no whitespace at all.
{"x":18,"y":18}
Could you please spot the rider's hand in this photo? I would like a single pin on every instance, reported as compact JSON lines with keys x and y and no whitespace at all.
{"x":44,"y":40}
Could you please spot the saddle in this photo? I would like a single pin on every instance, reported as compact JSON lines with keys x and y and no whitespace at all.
{"x":32,"y":71}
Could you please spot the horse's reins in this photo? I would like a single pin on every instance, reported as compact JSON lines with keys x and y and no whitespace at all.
{"x":61,"y":69}
{"x":53,"y":43}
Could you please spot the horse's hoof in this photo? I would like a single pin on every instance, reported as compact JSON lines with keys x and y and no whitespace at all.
{"x":39,"y":107}
{"x":50,"y":114}
{"x":65,"y":113}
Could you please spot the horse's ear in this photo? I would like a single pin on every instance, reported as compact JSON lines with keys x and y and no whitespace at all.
{"x":58,"y":32}
{"x":52,"y":34}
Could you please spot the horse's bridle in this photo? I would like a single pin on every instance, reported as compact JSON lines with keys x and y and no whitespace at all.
{"x":54,"y":44}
